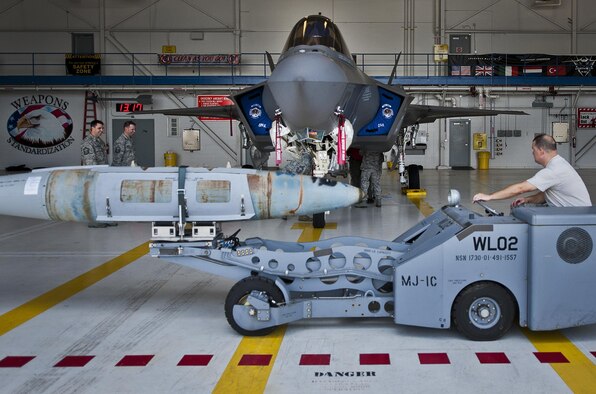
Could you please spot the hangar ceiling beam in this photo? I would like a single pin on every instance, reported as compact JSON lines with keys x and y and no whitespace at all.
{"x":68,"y":12}
{"x":9,"y":6}
{"x":133,"y":14}
{"x":207,"y":14}
{"x":561,"y":28}
{"x":564,"y":28}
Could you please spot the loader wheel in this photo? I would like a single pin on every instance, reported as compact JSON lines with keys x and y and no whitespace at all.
{"x":483,"y":312}
{"x":318,"y":220}
{"x":238,"y":295}
{"x":413,"y":177}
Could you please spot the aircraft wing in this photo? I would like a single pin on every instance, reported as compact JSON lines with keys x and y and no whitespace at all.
{"x":223,"y":111}
{"x":429,"y":113}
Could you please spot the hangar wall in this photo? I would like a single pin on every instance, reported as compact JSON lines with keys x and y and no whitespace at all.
{"x":244,"y":26}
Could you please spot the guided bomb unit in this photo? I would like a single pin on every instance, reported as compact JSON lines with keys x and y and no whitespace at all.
{"x":167,"y":194}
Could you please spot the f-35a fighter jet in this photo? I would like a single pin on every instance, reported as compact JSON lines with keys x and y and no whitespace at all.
{"x":316,"y":99}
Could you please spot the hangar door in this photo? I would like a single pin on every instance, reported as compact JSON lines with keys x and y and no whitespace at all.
{"x":459,"y":142}
{"x":143,"y":139}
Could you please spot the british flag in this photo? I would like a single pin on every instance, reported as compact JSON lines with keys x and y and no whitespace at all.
{"x":483,"y":70}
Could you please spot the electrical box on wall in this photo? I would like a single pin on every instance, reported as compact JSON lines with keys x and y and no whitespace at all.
{"x":479,"y":141}
{"x":561,"y":132}
{"x":191,"y":140}
{"x":460,"y":43}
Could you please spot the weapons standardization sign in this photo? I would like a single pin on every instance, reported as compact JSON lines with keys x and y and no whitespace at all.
{"x":586,"y":118}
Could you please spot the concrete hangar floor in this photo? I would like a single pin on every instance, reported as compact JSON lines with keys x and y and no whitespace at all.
{"x":86,"y":310}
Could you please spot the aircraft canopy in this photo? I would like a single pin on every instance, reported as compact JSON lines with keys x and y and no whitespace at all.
{"x":317,"y":30}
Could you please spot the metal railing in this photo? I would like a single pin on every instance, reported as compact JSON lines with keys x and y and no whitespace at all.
{"x":49,"y":68}
{"x":250,"y":64}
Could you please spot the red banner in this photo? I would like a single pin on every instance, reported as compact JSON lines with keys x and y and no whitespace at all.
{"x":191,"y":60}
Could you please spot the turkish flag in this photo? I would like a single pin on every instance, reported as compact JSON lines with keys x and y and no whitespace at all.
{"x":556,"y":70}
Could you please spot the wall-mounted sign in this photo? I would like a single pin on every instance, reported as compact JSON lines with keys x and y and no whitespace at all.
{"x":168,"y":49}
{"x":82,"y":64}
{"x":586,"y":118}
{"x":191,"y":140}
{"x":441,"y":53}
{"x":40,"y":124}
{"x":213,"y":101}
{"x":192,"y":60}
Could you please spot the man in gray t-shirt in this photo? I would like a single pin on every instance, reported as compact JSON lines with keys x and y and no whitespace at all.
{"x":558,"y":184}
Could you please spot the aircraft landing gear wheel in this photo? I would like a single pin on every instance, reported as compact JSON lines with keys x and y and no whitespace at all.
{"x":318,"y":220}
{"x":483,"y":312}
{"x":413,"y":177}
{"x":238,"y":295}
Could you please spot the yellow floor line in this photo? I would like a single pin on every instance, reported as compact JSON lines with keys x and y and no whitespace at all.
{"x":422,"y":205}
{"x":579,"y":374}
{"x":38,"y":305}
{"x":253,"y":379}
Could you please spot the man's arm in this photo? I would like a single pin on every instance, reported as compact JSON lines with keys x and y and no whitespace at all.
{"x":508,"y":192}
{"x":537,"y":198}
{"x":87,"y":155}
{"x":118,"y":153}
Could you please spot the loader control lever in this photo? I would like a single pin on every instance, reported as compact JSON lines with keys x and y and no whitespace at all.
{"x":490,"y":211}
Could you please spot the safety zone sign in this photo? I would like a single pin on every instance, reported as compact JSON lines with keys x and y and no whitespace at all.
{"x":586,"y":118}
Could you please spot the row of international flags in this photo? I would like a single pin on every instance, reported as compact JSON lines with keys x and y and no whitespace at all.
{"x":508,"y":71}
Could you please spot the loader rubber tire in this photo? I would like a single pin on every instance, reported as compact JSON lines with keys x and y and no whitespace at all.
{"x":238,"y":295}
{"x":483,"y":311}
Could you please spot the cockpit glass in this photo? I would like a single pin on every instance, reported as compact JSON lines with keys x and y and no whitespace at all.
{"x":317,"y":30}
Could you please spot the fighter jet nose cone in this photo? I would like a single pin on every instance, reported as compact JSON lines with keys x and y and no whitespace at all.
{"x":307,"y":87}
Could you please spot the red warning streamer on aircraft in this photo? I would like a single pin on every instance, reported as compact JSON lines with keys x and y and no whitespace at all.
{"x":277,"y":138}
{"x":341,"y":139}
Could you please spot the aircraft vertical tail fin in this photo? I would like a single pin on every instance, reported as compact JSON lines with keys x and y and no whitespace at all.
{"x":270,"y":61}
{"x":392,"y":76}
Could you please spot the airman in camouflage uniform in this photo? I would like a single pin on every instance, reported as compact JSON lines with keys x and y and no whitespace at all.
{"x":124,"y":150}
{"x":372,"y":166}
{"x":93,"y":149}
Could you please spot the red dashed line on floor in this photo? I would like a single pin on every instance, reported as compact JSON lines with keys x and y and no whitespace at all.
{"x":15,"y":361}
{"x":551,"y":357}
{"x":315,"y":359}
{"x":374,"y":359}
{"x":201,"y":360}
{"x":433,"y":358}
{"x":493,"y":358}
{"x":74,"y":361}
{"x":134,"y":361}
{"x":255,"y":360}
{"x":195,"y":360}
